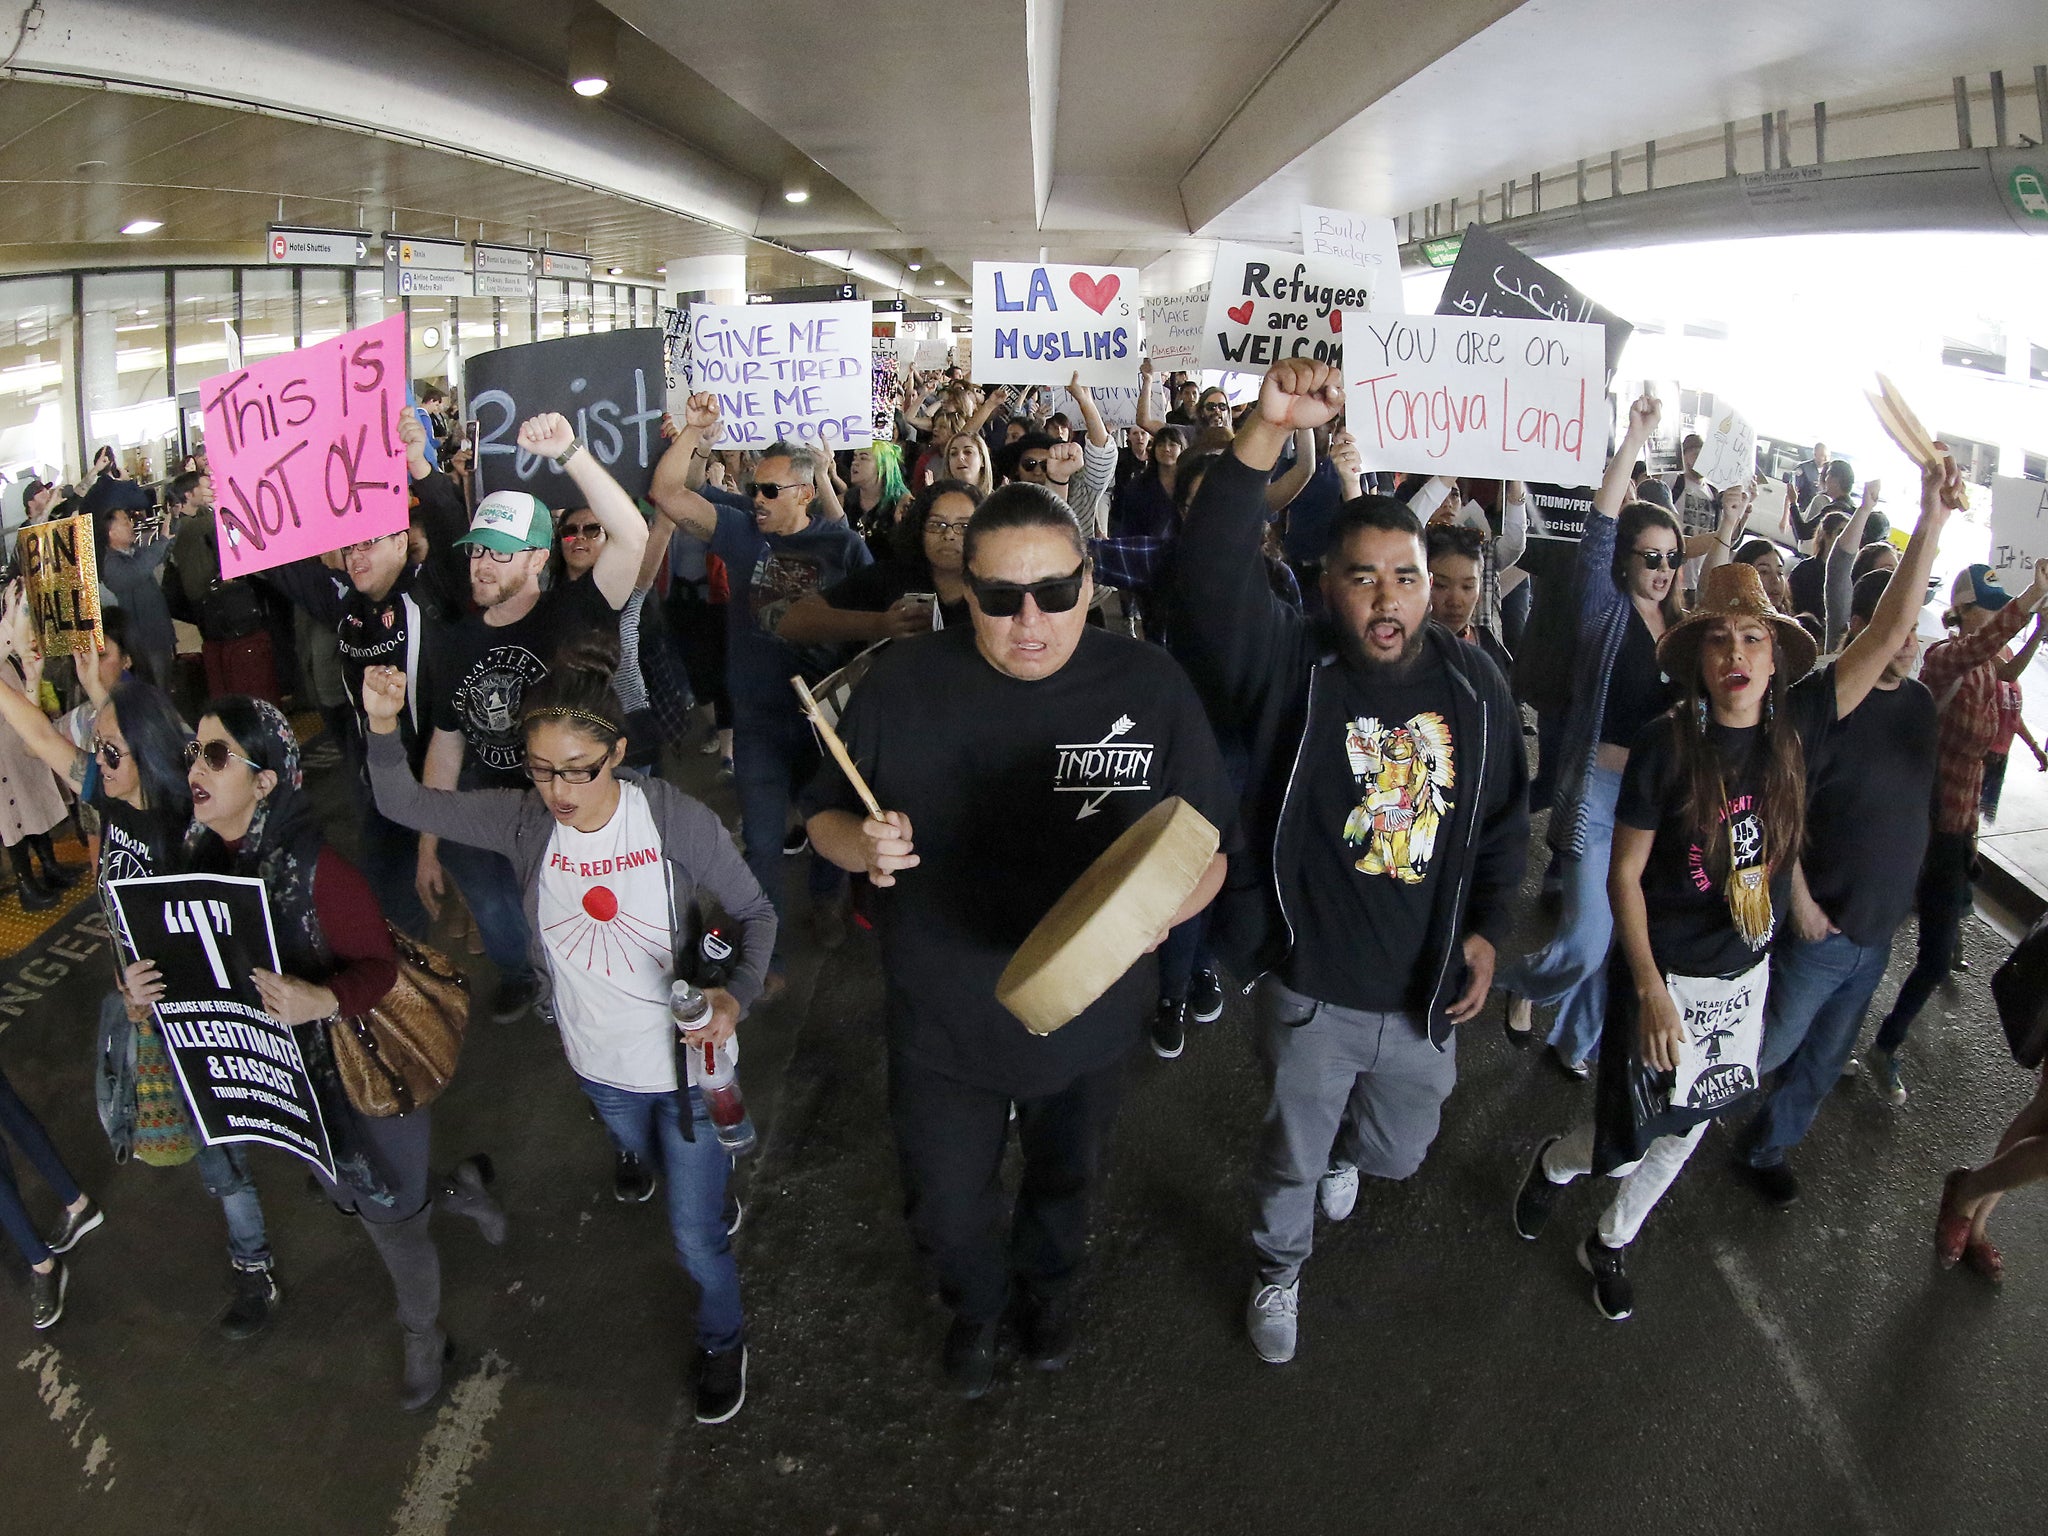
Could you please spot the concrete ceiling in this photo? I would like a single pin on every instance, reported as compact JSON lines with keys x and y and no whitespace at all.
{"x":1130,"y":131}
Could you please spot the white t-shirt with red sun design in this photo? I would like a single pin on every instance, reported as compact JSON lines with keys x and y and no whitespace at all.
{"x":604,"y":916}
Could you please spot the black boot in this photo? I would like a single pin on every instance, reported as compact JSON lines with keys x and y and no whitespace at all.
{"x":57,"y":877}
{"x":27,"y":888}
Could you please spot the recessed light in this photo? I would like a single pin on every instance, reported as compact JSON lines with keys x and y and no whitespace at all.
{"x":590,"y":85}
{"x":87,"y":167}
{"x":938,"y":282}
{"x":661,"y":271}
{"x":614,"y":271}
{"x":795,"y":195}
{"x":142,"y":226}
{"x":917,"y":266}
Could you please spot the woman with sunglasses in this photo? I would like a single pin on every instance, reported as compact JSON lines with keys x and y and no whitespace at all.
{"x":124,"y":757}
{"x":252,"y":817}
{"x":1629,"y":564}
{"x":579,"y":540}
{"x":607,"y":861}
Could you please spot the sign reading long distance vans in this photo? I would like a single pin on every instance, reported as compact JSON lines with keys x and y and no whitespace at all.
{"x":1268,"y":304}
{"x":505,"y":271}
{"x":1498,"y":398}
{"x":794,"y":372}
{"x":1044,"y":323}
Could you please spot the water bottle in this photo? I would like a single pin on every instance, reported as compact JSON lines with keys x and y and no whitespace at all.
{"x":712,"y":1070}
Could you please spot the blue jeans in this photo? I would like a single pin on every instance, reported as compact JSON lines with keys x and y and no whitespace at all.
{"x":1571,"y":970}
{"x":225,"y":1171}
{"x":697,"y":1173}
{"x":492,"y":890}
{"x":27,"y":1133}
{"x":1943,"y":898}
{"x":1813,"y":1011}
{"x":389,"y":858}
{"x":774,"y":756}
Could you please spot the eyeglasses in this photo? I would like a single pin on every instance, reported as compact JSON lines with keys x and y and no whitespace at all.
{"x":1005,"y":599}
{"x":108,"y":754}
{"x":495,"y":556}
{"x":947,"y":530}
{"x":768,"y":490}
{"x":1216,"y":408}
{"x":364,"y":546}
{"x":216,"y":755}
{"x":1031,"y":466}
{"x":583,"y":530}
{"x":540,"y":773}
{"x":1659,"y":559}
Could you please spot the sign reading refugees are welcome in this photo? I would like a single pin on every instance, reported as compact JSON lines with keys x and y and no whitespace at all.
{"x":60,"y":575}
{"x":1512,"y":399}
{"x":1268,"y":304}
{"x":608,"y":386}
{"x":786,"y":372}
{"x":1044,"y":323}
{"x":304,"y":449}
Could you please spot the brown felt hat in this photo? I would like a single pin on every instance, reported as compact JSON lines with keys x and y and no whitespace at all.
{"x":1733,"y":592}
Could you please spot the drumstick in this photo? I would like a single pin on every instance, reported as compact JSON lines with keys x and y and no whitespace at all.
{"x":838,"y":749}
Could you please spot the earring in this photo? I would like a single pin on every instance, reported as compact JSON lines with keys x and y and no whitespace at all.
{"x":1700,"y":709}
{"x":1770,"y":708}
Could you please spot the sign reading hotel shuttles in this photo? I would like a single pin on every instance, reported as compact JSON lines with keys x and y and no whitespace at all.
{"x":304,"y":449}
{"x":1043,"y":323}
{"x":1493,"y":397}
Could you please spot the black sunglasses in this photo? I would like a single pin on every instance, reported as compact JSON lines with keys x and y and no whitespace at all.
{"x":583,"y":530}
{"x":1658,"y":559}
{"x":1005,"y":599}
{"x":217,"y":754}
{"x":770,"y":490}
{"x":1030,"y":465}
{"x":109,"y":754}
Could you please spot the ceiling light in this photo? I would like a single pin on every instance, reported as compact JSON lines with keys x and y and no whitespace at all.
{"x":593,"y":50}
{"x":661,"y":271}
{"x":938,"y":282}
{"x":142,"y":226}
{"x":614,"y":271}
{"x":917,"y":266}
{"x":796,"y":194}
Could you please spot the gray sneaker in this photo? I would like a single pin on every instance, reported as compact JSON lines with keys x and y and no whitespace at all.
{"x":1270,"y":1320}
{"x":46,"y":1288}
{"x":1337,"y":1191}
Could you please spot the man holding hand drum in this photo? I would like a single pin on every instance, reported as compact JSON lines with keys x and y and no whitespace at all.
{"x":1007,"y":756}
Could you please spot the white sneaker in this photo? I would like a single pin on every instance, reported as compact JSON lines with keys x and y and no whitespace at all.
{"x":1270,"y":1320}
{"x":1337,"y":1191}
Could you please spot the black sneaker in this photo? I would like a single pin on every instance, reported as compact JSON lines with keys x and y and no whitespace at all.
{"x":735,"y":1213}
{"x":1205,"y":997}
{"x":632,"y":1180}
{"x":1612,"y":1292}
{"x":73,"y":1227}
{"x":1169,"y":1029}
{"x":509,"y":1004}
{"x":256,"y":1294}
{"x":795,"y":841}
{"x":1777,"y":1183}
{"x":46,"y":1294}
{"x":34,"y":898}
{"x":1045,"y":1328}
{"x":721,"y":1384}
{"x":1536,"y":1196}
{"x":969,"y":1358}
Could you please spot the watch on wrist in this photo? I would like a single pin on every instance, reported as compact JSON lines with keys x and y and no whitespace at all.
{"x":575,"y":447}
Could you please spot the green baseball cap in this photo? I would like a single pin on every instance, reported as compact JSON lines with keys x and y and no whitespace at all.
{"x":509,"y":521}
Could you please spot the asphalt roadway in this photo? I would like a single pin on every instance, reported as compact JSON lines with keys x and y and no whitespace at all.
{"x":1807,"y":1370}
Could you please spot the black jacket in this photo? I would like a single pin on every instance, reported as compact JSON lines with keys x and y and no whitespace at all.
{"x":1255,"y":662}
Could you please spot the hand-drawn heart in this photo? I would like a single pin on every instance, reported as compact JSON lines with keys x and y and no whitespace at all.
{"x":1242,"y":315}
{"x":1094,"y":292}
{"x":1337,"y":321}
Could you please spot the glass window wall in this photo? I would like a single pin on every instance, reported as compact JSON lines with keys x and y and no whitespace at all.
{"x":38,"y":421}
{"x":126,"y":372}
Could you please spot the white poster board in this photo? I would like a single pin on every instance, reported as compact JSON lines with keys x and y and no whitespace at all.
{"x":1173,"y":330}
{"x":2019,"y":530}
{"x":786,"y":372}
{"x":1118,"y":405}
{"x":1047,"y":322}
{"x":1728,"y":456}
{"x":1362,"y":239}
{"x":1266,"y":304}
{"x":1477,"y":395}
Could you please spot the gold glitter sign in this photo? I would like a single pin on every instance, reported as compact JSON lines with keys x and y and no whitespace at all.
{"x":63,"y":583}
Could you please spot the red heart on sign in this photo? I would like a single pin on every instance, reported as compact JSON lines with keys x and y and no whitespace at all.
{"x":1094,"y":292}
{"x":1337,"y":320}
{"x":1242,"y":315}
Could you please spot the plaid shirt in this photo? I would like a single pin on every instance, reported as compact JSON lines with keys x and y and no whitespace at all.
{"x":1962,"y":674}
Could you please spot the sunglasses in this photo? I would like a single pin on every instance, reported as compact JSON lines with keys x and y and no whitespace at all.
{"x":768,"y":490}
{"x":1032,"y":465}
{"x":583,"y":530}
{"x":1658,"y":559}
{"x":109,"y":755}
{"x":216,"y":755}
{"x":541,"y":774}
{"x":1005,"y":599}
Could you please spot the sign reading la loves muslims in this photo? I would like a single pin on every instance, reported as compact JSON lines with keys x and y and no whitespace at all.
{"x":1043,"y":323}
{"x":786,"y":372}
{"x":304,"y":449}
{"x":1498,"y":398}
{"x":1268,"y":304}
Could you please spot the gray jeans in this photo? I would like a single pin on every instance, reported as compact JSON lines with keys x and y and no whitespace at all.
{"x":1362,"y":1088}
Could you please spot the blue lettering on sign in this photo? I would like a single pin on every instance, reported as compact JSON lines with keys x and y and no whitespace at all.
{"x":1055,"y":346}
{"x":1037,"y":294}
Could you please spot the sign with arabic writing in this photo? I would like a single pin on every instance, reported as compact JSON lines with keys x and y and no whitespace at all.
{"x":1493,"y":278}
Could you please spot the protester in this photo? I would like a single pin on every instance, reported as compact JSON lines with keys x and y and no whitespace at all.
{"x":897,"y":595}
{"x":481,"y":667}
{"x":1969,"y":1195}
{"x":963,"y":736}
{"x":1408,"y":772}
{"x":1457,"y":555}
{"x":2012,"y":724}
{"x":48,"y":1277}
{"x":607,"y":862}
{"x":129,"y":570}
{"x":876,"y":492}
{"x":34,"y":804}
{"x":1628,"y":599}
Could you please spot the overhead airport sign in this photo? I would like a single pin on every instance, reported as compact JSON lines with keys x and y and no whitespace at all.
{"x":815,"y":293}
{"x":562,"y":265}
{"x":291,"y":246}
{"x":505,"y":271}
{"x":426,"y":269}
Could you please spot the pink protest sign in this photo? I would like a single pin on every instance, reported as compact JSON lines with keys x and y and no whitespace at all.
{"x":304,"y":449}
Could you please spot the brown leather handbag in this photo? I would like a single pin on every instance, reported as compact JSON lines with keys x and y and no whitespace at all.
{"x":399,"y":1056}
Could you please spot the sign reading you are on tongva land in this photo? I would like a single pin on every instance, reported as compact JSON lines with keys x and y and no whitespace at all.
{"x":304,"y":449}
{"x":1494,"y":397}
{"x":1042,"y":323}
{"x":786,"y":372}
